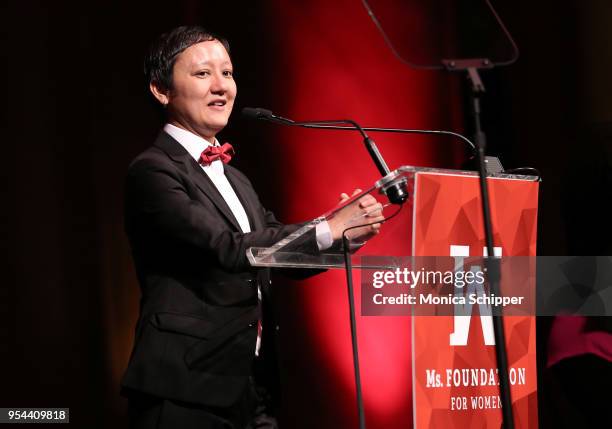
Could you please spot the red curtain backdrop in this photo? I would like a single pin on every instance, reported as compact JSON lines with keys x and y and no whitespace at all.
{"x":330,"y":62}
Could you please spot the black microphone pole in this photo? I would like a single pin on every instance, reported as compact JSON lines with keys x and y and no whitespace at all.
{"x":397,"y":194}
{"x":492,"y":263}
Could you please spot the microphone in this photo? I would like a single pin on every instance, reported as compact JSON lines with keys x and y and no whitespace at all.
{"x":264,"y":114}
{"x":257,"y":113}
{"x":395,"y":191}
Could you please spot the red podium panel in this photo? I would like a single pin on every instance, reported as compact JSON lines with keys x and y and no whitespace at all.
{"x":454,"y":366}
{"x":419,"y":371}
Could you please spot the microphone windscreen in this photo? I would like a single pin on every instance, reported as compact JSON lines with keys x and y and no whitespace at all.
{"x":256,"y":113}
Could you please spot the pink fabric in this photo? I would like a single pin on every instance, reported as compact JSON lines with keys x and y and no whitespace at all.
{"x":570,"y":337}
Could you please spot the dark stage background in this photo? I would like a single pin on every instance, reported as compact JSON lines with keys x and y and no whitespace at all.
{"x":76,"y":111}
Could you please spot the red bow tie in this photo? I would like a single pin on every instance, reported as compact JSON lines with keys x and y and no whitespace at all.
{"x":213,"y":153}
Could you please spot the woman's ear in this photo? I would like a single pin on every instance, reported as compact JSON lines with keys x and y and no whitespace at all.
{"x":159,"y":93}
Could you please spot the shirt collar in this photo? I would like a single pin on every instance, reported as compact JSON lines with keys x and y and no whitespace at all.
{"x":192,"y":143}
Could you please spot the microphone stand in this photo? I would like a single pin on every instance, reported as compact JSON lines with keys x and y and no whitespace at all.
{"x":396,"y":192}
{"x":492,"y":263}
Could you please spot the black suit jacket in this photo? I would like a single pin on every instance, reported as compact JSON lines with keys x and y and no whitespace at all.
{"x":196,"y":333}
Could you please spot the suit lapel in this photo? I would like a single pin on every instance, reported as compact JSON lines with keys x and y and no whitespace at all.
{"x":178,"y":154}
{"x":245,"y":197}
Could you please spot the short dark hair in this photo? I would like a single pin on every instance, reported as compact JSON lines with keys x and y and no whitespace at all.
{"x":159,"y":62}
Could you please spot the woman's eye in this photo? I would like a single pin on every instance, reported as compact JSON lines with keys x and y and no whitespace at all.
{"x":203,"y":73}
{"x":228,"y":73}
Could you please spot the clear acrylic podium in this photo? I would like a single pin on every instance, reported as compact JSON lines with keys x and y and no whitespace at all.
{"x":442,"y":217}
{"x":277,"y":255}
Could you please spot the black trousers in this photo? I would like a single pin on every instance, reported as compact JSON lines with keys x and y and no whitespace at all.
{"x":150,"y":412}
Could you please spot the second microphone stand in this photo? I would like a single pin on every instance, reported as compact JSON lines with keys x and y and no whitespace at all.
{"x":492,"y":262}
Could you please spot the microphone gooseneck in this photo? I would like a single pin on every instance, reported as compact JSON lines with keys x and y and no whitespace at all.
{"x":396,"y":192}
